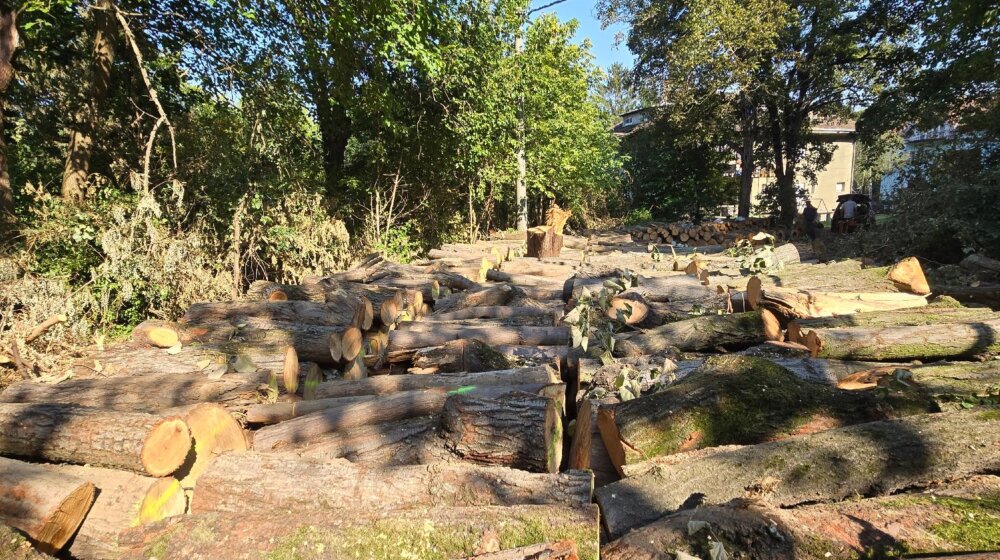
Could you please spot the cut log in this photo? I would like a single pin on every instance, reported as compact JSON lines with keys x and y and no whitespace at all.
{"x":456,"y":532}
{"x":516,"y":429}
{"x":47,"y":505}
{"x":386,"y":385}
{"x":464,"y":355}
{"x":213,"y":431}
{"x":579,"y":450}
{"x":144,"y":443}
{"x":976,"y":262}
{"x":831,"y":465}
{"x":807,"y":305}
{"x":979,"y":295}
{"x":929,"y":315}
{"x":540,"y":336}
{"x":954,"y":384}
{"x":119,"y":505}
{"x":925,"y":342}
{"x":298,"y":484}
{"x":560,"y":550}
{"x":333,"y":314}
{"x":523,"y":279}
{"x":404,"y":442}
{"x":165,"y":334}
{"x":493,"y":296}
{"x":491,"y":312}
{"x":349,"y":415}
{"x":263,"y":290}
{"x":785,"y":255}
{"x":908,"y":274}
{"x":536,"y":267}
{"x":699,"y":333}
{"x":141,"y":393}
{"x":543,"y":241}
{"x":738,"y":400}
{"x":849,"y":276}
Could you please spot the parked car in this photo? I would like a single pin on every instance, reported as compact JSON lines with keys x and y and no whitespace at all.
{"x":864,"y":214}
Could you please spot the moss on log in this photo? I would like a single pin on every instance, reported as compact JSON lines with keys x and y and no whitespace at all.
{"x":699,"y":333}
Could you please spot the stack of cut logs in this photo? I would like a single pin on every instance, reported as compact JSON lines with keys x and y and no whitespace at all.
{"x":438,"y":410}
{"x":725,"y":233}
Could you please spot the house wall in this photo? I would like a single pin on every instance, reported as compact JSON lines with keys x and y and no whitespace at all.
{"x":833,"y":181}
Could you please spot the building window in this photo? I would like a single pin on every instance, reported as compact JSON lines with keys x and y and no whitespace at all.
{"x":840,"y":187}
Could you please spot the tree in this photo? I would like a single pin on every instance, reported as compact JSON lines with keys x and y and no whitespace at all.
{"x":615,"y":92}
{"x":8,"y":44}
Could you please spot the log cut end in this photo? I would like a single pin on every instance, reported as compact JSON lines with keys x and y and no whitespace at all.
{"x":164,"y":499}
{"x":61,"y":523}
{"x":214,"y":431}
{"x":160,"y":335}
{"x":611,"y":437}
{"x":909,"y":275}
{"x":753,"y":292}
{"x":166,"y":447}
{"x":772,"y":326}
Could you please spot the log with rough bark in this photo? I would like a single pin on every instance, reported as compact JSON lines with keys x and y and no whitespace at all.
{"x":46,"y":505}
{"x":403,"y":442}
{"x":387,"y":385}
{"x":549,"y":319}
{"x":335,"y":314}
{"x":870,"y":459}
{"x":152,"y":392}
{"x":923,"y":342}
{"x":976,"y":262}
{"x":978,"y":295}
{"x":124,"y":500}
{"x":928,"y":315}
{"x":540,"y":336}
{"x":298,"y":484}
{"x":350,"y":415}
{"x":144,"y":443}
{"x":848,"y":276}
{"x":699,"y":333}
{"x":492,"y":296}
{"x":490,"y":312}
{"x":263,"y":290}
{"x":665,"y":289}
{"x":469,"y":355}
{"x":536,"y":267}
{"x":801,"y":304}
{"x":165,"y":334}
{"x":516,"y":429}
{"x":544,"y":241}
{"x":523,"y":279}
{"x":738,"y":400}
{"x":311,"y":342}
{"x":634,"y":310}
{"x":950,"y":384}
{"x":454,"y":532}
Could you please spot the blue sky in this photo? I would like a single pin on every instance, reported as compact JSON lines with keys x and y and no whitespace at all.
{"x":604,"y":48}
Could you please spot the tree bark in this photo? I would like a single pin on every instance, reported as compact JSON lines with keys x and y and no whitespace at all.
{"x":144,"y":443}
{"x":331,"y":314}
{"x":517,"y":429}
{"x":403,"y":442}
{"x":979,"y":295}
{"x":391,"y":384}
{"x":488,"y":297}
{"x":699,"y":333}
{"x":842,"y":276}
{"x":877,"y":458}
{"x":801,"y":304}
{"x":8,"y":44}
{"x":81,"y":142}
{"x":491,"y":312}
{"x":928,"y":315}
{"x":464,"y":355}
{"x":298,"y":484}
{"x":48,"y":506}
{"x":747,"y":156}
{"x":540,"y":336}
{"x":924,"y":342}
{"x":457,"y":532}
{"x":738,"y":400}
{"x":544,"y":241}
{"x":263,"y":290}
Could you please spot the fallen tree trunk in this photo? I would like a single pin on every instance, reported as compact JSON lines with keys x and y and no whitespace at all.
{"x":333,"y":314}
{"x":123,"y":500}
{"x":535,"y":267}
{"x":523,"y":279}
{"x":738,"y":400}
{"x":487,"y":297}
{"x":925,"y":342}
{"x":469,"y":355}
{"x":979,"y":295}
{"x":491,"y":312}
{"x":197,"y":359}
{"x":386,"y":385}
{"x":539,"y":336}
{"x":297,"y":484}
{"x":849,"y":276}
{"x":263,"y":290}
{"x":950,"y":384}
{"x":457,"y":532}
{"x":699,"y":333}
{"x":350,"y":415}
{"x":402,"y":442}
{"x":152,"y":392}
{"x":48,"y":506}
{"x":801,"y":304}
{"x":144,"y":443}
{"x":929,"y":315}
{"x":976,"y":262}
{"x":515,"y":429}
{"x":876,"y":458}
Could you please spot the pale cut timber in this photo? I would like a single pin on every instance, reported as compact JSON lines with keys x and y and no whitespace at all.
{"x":910,"y":274}
{"x":826,"y":466}
{"x":144,"y":443}
{"x":456,"y":531}
{"x":516,"y":429}
{"x":352,"y":342}
{"x":523,"y":279}
{"x":233,"y":481}
{"x":335,"y":313}
{"x":336,"y":344}
{"x":579,"y":450}
{"x":120,"y":497}
{"x":214,"y":430}
{"x":924,"y":342}
{"x":699,"y":333}
{"x":772,"y":326}
{"x":807,"y":305}
{"x":540,"y":336}
{"x":290,"y":371}
{"x":165,"y":498}
{"x":390,"y":384}
{"x":46,"y":505}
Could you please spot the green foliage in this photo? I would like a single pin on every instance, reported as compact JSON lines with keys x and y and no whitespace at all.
{"x":769,"y":200}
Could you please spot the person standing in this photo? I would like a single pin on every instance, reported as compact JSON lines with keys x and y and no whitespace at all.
{"x":809,"y":215}
{"x":849,"y":210}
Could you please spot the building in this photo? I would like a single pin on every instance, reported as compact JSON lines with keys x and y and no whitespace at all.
{"x":835,"y":179}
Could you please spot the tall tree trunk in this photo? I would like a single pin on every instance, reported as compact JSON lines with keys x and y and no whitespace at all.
{"x":81,"y":141}
{"x":747,"y":126}
{"x":521,"y":185}
{"x":8,"y":44}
